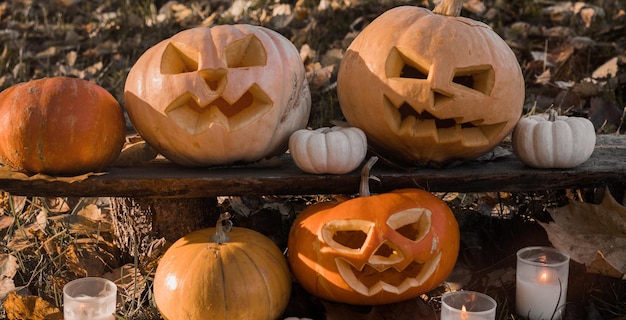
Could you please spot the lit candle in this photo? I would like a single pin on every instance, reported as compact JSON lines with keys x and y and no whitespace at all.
{"x":467,"y":305}
{"x":89,"y":299}
{"x":541,"y":283}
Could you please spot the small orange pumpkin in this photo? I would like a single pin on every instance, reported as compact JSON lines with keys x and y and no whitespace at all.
{"x":211,"y":274}
{"x":60,"y":126}
{"x":375,"y":249}
{"x":440,"y":87}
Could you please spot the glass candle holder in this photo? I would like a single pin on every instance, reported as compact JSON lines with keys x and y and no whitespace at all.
{"x":467,"y":305}
{"x":89,"y":298}
{"x":541,"y":283}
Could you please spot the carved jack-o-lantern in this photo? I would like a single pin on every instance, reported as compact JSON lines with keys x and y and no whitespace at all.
{"x":439,"y":88}
{"x":377,"y":249}
{"x":218,"y":95}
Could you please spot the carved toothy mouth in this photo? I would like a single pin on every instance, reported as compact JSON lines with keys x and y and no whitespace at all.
{"x":232,"y":114}
{"x":370,"y":280}
{"x":407,"y":121}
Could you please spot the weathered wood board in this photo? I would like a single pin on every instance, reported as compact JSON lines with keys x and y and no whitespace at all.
{"x":164,"y":179}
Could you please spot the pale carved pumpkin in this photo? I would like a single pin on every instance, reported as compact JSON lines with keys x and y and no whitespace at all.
{"x":213,"y":274}
{"x":60,"y":126}
{"x":334,"y":150}
{"x":430,"y":88}
{"x":551,"y":141}
{"x":228,"y":93}
{"x":375,"y":249}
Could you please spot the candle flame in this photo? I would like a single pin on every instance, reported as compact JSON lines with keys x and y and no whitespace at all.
{"x":543,"y":277}
{"x":463,"y":312}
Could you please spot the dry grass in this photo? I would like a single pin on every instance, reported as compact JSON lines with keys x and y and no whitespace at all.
{"x":56,"y":240}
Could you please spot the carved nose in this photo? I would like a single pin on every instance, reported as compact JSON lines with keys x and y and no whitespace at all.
{"x":214,"y":78}
{"x":386,"y":255}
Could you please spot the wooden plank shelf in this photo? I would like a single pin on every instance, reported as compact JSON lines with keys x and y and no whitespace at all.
{"x":607,"y":166}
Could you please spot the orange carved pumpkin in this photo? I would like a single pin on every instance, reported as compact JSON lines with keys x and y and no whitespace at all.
{"x":60,"y":126}
{"x":375,"y":249}
{"x":210,"y":96}
{"x":440,"y":88}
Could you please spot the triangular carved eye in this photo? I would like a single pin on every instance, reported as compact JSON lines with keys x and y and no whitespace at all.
{"x":348,"y":236}
{"x":245,"y":52}
{"x":414,"y":224}
{"x":179,"y":58}
{"x":403,"y":63}
{"x":479,"y":78}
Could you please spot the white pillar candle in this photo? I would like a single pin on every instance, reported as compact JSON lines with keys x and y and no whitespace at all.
{"x":89,"y":298}
{"x":541,"y":283}
{"x":467,"y":305}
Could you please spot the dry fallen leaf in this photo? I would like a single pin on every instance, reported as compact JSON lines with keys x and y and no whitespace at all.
{"x":8,"y":265}
{"x":544,"y":78}
{"x":135,"y":154}
{"x":588,"y":15}
{"x":475,"y":6}
{"x":91,"y":211}
{"x":594,"y":235}
{"x":11,"y":204}
{"x":7,"y":286}
{"x":87,"y":259}
{"x":8,"y":173}
{"x":129,"y":280}
{"x":8,"y":269}
{"x":320,"y":76}
{"x":6,"y":222}
{"x":56,"y":204}
{"x":608,"y":69}
{"x":30,"y":307}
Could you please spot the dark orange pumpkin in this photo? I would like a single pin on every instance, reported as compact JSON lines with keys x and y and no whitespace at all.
{"x":59,"y":126}
{"x":375,"y":249}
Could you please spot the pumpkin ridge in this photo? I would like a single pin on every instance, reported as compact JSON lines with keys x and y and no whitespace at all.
{"x":198,"y":256}
{"x":261,"y":249}
{"x":260,"y":274}
{"x":220,"y":262}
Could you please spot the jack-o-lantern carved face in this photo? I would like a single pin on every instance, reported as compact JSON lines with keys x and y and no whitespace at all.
{"x":218,"y":95}
{"x":374,"y":250}
{"x":440,"y":88}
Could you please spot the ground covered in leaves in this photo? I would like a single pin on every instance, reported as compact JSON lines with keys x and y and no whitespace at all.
{"x":573,"y":55}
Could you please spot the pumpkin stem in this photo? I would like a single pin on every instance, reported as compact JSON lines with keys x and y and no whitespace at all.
{"x":223,"y":226}
{"x":364,"y":190}
{"x":552,"y":115}
{"x":449,"y":8}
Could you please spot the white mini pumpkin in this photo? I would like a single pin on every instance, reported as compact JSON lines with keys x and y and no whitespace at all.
{"x":551,"y":141}
{"x":334,"y":150}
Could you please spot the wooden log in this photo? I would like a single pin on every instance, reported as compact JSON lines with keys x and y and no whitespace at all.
{"x":140,"y":222}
